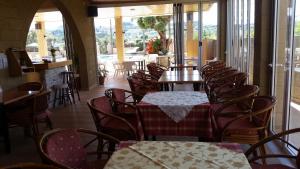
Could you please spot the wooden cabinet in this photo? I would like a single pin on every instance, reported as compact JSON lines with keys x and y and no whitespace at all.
{"x":18,"y":62}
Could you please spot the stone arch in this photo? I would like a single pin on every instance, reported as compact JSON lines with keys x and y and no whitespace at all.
{"x":82,"y":31}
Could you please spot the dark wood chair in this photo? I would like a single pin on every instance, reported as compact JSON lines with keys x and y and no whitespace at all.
{"x":240,"y":93}
{"x":140,"y":88}
{"x":31,"y":86}
{"x":252,"y":156}
{"x":246,"y":123}
{"x":64,"y":148}
{"x":30,"y":112}
{"x":106,"y":121}
{"x":156,"y":70}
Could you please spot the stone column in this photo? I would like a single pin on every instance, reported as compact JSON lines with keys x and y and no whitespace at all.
{"x":119,"y":34}
{"x":41,"y":32}
{"x":189,"y":34}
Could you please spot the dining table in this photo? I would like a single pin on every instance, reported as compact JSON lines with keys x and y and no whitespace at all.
{"x":175,"y":155}
{"x":182,"y":76}
{"x":176,"y":113}
{"x":10,"y":97}
{"x":192,"y":66}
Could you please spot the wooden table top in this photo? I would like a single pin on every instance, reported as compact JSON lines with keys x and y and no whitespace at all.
{"x":182,"y":76}
{"x":183,"y":66}
{"x":14,"y":95}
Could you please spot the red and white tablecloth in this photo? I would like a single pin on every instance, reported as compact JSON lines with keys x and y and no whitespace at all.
{"x":157,"y":123}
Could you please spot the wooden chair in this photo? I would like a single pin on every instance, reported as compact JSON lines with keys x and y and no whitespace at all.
{"x":31,"y":86}
{"x":107,"y":121}
{"x":30,"y":112}
{"x":245,"y":123}
{"x":122,"y":100}
{"x":155,"y":70}
{"x":64,"y":148}
{"x":253,"y":158}
{"x":30,"y":166}
{"x":236,"y":94}
{"x":41,"y":113}
{"x":140,"y":88}
{"x":225,"y":83}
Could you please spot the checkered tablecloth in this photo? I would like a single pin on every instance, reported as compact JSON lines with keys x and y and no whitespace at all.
{"x":156,"y":123}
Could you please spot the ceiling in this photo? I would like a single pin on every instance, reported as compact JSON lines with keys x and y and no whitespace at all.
{"x":138,"y":9}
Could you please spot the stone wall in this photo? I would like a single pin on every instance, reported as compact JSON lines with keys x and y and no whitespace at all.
{"x":15,"y":20}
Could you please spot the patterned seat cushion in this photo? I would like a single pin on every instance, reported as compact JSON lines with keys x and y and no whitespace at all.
{"x":65,"y":148}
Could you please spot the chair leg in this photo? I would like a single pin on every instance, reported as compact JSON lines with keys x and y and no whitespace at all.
{"x":55,"y":96}
{"x":49,"y":123}
{"x":77,"y":94}
{"x":262,"y":153}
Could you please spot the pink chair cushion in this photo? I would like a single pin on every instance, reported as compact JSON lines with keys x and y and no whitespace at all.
{"x":65,"y":148}
{"x":271,"y":166}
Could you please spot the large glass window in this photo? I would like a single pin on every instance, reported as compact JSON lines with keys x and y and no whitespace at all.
{"x":240,"y":35}
{"x":286,"y":73}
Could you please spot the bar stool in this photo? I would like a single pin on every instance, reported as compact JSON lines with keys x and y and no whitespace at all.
{"x":69,"y":77}
{"x":64,"y":91}
{"x":61,"y":93}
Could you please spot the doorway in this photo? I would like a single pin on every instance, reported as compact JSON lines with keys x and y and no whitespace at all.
{"x":286,"y":68}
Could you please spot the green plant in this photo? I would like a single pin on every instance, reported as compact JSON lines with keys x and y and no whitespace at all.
{"x":158,"y":23}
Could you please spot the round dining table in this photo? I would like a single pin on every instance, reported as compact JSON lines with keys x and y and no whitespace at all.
{"x":178,"y":155}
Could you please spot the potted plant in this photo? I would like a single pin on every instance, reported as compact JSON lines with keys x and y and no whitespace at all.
{"x":101,"y":73}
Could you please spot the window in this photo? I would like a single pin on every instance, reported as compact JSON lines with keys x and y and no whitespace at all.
{"x":240,"y":35}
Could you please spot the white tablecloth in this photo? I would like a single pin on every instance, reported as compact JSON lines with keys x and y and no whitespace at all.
{"x":177,"y":155}
{"x":176,"y":104}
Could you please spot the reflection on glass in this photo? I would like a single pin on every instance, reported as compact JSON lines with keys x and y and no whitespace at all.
{"x":295,"y":85}
{"x":281,"y":47}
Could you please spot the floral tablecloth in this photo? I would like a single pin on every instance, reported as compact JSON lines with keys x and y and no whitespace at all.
{"x":177,"y":155}
{"x":176,"y":104}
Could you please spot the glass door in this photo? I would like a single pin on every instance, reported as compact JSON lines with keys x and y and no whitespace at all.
{"x":209,"y":31}
{"x":294,"y":116}
{"x":280,"y":64}
{"x":191,"y":33}
{"x":286,"y":68}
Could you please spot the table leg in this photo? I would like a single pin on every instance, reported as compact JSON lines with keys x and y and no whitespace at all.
{"x":166,"y":86}
{"x":196,"y":86}
{"x":140,"y":65}
{"x":161,"y":86}
{"x":4,"y":129}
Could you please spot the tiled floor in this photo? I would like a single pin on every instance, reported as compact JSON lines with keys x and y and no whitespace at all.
{"x":69,"y":116}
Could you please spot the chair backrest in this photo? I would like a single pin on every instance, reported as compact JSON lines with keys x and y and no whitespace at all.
{"x":41,"y":102}
{"x":32,"y":86}
{"x":99,"y":108}
{"x":262,"y":107}
{"x":118,"y":95}
{"x":252,"y":156}
{"x":63,"y":148}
